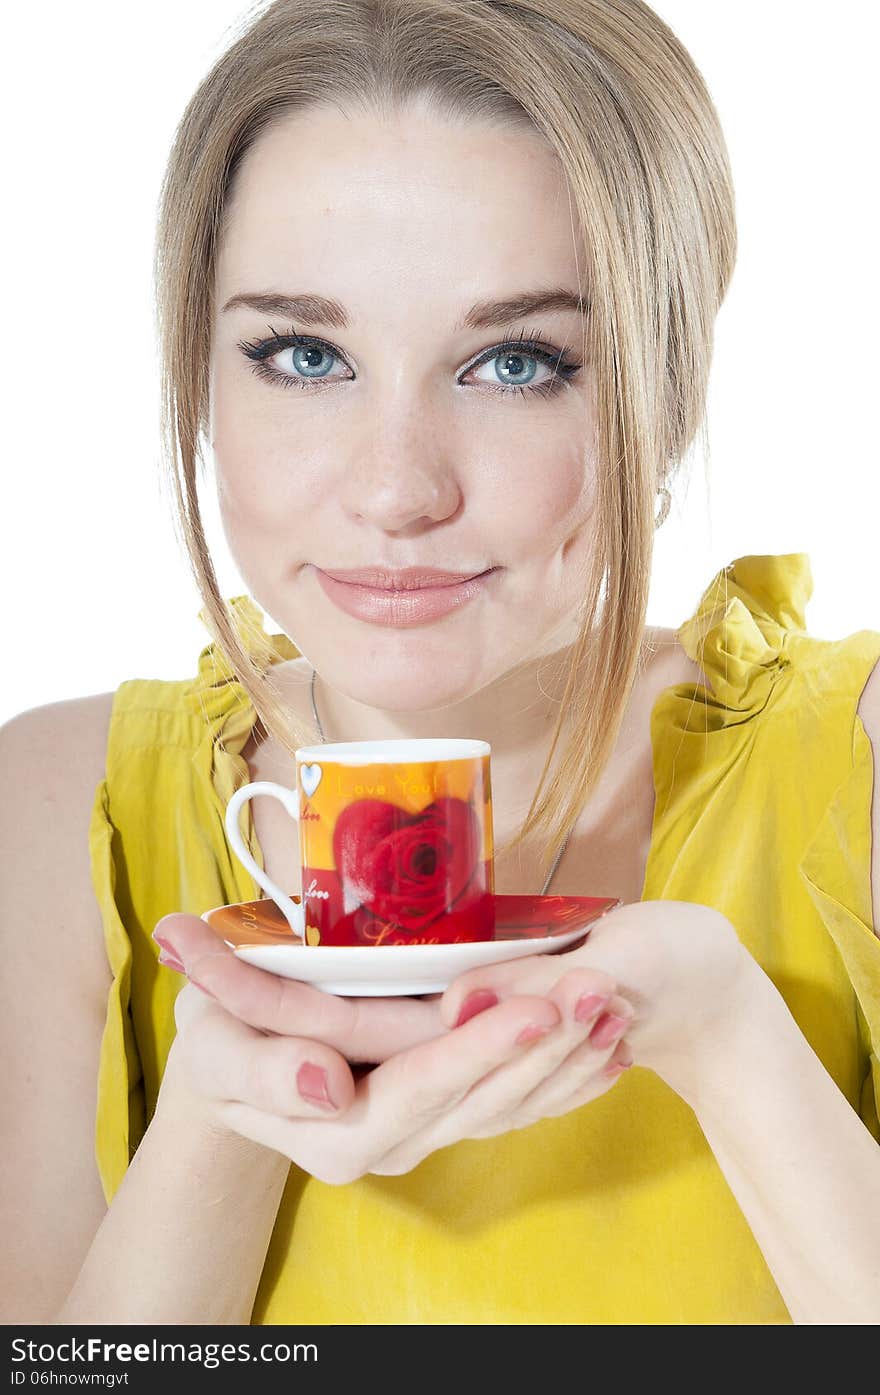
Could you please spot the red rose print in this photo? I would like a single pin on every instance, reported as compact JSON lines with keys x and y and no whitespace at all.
{"x":409,"y":869}
{"x":459,"y":926}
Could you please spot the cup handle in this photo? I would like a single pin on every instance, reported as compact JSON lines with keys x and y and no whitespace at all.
{"x":294,"y":914}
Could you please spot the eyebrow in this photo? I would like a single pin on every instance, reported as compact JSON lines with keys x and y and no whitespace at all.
{"x":485,"y":314}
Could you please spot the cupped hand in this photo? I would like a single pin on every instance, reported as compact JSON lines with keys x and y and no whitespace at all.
{"x":281,"y":1046}
{"x":266,"y":1054}
{"x":360,"y":1029}
{"x":512,"y":1064}
{"x":682,"y":966}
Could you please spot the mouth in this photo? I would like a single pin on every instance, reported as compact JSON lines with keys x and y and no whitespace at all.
{"x":417,"y":596}
{"x":405,"y":579}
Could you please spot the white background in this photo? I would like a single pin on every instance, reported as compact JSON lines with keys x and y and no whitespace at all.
{"x":94,"y":587}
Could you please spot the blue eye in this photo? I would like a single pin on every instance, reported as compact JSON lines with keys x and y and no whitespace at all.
{"x":514,"y":362}
{"x":312,"y":358}
{"x":306,"y":359}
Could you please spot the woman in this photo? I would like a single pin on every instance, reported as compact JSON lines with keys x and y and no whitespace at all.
{"x":437,"y":282}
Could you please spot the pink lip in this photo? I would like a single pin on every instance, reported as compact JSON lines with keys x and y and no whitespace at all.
{"x":405,"y":579}
{"x":402,"y":607}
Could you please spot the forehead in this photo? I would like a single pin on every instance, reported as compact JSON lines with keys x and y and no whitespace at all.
{"x":402,"y":203}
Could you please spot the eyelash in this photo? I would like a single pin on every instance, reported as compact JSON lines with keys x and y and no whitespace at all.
{"x":527,"y":343}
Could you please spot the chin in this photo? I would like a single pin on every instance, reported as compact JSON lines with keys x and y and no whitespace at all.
{"x":404,"y":684}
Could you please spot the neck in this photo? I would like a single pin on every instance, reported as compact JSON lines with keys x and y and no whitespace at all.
{"x":515,"y":714}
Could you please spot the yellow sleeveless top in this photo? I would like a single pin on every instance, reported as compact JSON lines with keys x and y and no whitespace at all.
{"x":616,"y":1212}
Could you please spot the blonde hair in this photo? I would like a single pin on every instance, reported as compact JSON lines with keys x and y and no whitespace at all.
{"x":619,"y":100}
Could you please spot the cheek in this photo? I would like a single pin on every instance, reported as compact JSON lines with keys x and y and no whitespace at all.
{"x":545,"y":498}
{"x":545,"y":485}
{"x":262,"y":482}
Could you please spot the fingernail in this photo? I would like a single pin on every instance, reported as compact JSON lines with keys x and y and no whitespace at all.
{"x":531,"y":1033}
{"x":166,"y":957}
{"x":311,"y":1081}
{"x":589,"y":1005}
{"x":165,"y":944}
{"x":608,"y":1029}
{"x":616,"y":1069}
{"x":475,"y":1002}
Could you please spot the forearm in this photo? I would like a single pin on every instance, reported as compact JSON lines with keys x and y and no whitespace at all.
{"x":185,"y":1238}
{"x":801,"y":1164}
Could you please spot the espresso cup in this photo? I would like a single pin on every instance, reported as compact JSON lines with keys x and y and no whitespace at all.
{"x":395,"y":842}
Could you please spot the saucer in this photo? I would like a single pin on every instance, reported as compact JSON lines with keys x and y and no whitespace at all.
{"x":258,"y":933}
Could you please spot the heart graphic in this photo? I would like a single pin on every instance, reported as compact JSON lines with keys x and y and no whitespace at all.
{"x":403,"y":867}
{"x":310,"y":775}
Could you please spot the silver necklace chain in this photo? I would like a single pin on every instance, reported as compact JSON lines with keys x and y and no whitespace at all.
{"x":556,"y":860}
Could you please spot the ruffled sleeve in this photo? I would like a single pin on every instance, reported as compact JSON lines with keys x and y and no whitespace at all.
{"x":741,"y":630}
{"x":742,"y":636}
{"x":836,"y":869}
{"x":157,"y":844}
{"x":763,"y":779}
{"x":120,"y":1121}
{"x":227,"y":715}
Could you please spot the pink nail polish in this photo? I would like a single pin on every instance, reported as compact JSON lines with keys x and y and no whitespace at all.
{"x":171,"y":961}
{"x":612,"y":1072}
{"x":589,"y":1005}
{"x":531,"y":1033}
{"x":475,"y":1002}
{"x":311,"y":1081}
{"x":167,"y":946}
{"x":608,"y":1029}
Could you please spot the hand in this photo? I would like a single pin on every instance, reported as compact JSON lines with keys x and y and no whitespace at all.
{"x":245,"y":1034}
{"x":681,"y":965}
{"x":240,"y":1053}
{"x":515,"y":1063}
{"x":360,"y":1029}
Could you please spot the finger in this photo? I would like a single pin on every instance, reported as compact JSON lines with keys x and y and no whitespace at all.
{"x":397,"y":1097}
{"x":585,"y":1074}
{"x":620,"y":1061}
{"x":581,"y":1072}
{"x":480,"y":988}
{"x":405,"y":1092}
{"x":594,"y":1086}
{"x":495,"y":1103}
{"x":360,"y":1029}
{"x":401,"y":1095}
{"x":336,"y":1158}
{"x":227,"y":1060}
{"x":575,"y":993}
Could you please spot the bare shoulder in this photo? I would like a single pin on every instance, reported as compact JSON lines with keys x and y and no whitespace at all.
{"x":80,"y":725}
{"x":53,"y":759}
{"x":665,"y":661}
{"x":53,"y":996}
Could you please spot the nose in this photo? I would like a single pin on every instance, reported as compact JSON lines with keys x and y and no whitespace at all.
{"x":401,"y":473}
